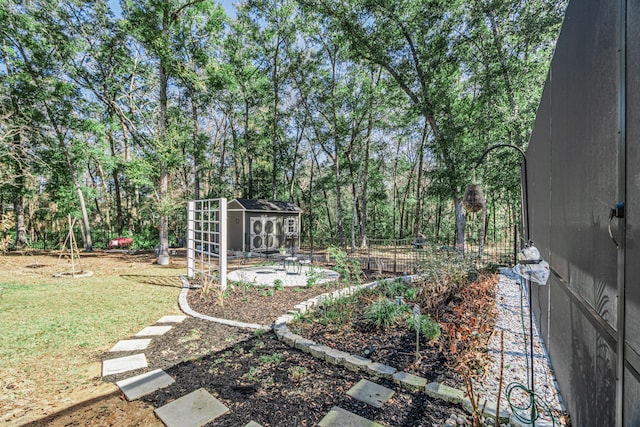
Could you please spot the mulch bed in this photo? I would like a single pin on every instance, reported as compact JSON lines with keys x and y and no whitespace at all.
{"x":262,"y":305}
{"x":257,"y":304}
{"x":261,"y":379}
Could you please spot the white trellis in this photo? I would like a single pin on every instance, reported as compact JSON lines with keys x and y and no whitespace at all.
{"x":207,"y":239}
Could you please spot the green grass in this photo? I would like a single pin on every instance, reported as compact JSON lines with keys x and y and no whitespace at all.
{"x":59,"y":326}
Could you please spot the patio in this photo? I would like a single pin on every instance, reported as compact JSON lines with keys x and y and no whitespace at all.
{"x":290,"y":274}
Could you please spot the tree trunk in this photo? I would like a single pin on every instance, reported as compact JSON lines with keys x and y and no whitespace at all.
{"x":21,"y":230}
{"x":274,"y":137}
{"x":362,"y":220}
{"x":418,"y":211}
{"x":18,"y":202}
{"x":88,"y":245}
{"x":438,"y":220}
{"x":116,"y":186}
{"x":163,"y":228}
{"x":196,"y":148}
{"x":482,"y":232}
{"x":459,"y":225}
{"x":354,"y":216}
{"x":248,"y":148}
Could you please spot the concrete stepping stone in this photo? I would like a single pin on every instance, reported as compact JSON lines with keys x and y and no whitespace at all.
{"x":171,"y":319}
{"x":153,"y":330}
{"x":141,"y":385}
{"x":123,"y":364}
{"x":193,"y":410}
{"x":339,"y":417}
{"x":370,"y":393}
{"x":131,"y":345}
{"x":252,"y":424}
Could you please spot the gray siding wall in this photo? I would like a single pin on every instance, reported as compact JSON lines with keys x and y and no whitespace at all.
{"x":574,"y":159}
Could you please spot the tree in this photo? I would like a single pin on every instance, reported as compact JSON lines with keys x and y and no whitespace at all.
{"x":154,"y":25}
{"x":36,"y":47}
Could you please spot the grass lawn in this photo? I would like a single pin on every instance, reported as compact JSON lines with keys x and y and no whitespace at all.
{"x":54,"y":331}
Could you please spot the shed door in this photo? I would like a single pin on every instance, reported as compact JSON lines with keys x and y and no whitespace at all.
{"x":263,"y":233}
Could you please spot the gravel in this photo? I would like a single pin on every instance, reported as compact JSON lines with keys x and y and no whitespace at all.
{"x":509,"y":319}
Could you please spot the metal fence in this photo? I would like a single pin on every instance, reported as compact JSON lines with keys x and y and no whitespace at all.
{"x":410,"y":254}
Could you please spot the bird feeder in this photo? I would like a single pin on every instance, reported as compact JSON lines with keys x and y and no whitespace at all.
{"x":473,"y":200}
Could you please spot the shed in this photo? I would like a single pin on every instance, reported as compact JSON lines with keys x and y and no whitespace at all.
{"x":264,"y":226}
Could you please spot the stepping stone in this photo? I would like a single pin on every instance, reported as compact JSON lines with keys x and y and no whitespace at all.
{"x":339,"y":417}
{"x":193,"y":410}
{"x":252,"y":424}
{"x":141,"y":385}
{"x":131,"y":345}
{"x":371,"y":393}
{"x":171,"y":319}
{"x":153,"y":330}
{"x":123,"y":364}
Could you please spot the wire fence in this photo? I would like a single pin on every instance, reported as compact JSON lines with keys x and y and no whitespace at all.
{"x":409,"y":255}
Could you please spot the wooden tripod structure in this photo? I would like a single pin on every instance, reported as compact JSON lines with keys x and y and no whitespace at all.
{"x":73,"y":247}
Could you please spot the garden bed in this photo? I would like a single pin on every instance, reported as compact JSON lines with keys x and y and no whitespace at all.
{"x":462,"y":311}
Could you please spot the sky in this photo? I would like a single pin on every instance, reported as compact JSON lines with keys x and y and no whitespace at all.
{"x":227,"y":4}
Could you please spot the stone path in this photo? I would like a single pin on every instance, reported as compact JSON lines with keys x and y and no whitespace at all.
{"x":191,"y":410}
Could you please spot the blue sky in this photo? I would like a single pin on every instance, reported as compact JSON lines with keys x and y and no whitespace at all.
{"x":227,"y":4}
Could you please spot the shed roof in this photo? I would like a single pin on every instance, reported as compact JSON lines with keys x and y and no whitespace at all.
{"x":263,"y":205}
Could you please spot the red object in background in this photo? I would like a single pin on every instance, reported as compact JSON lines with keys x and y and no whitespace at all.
{"x":120,"y":242}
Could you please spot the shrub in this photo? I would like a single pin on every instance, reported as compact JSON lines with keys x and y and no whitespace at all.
{"x":349,"y":270}
{"x":6,"y":225}
{"x":312,"y":277}
{"x":278,"y":285}
{"x":383,"y":313}
{"x":429,"y":328}
{"x":392,"y":289}
{"x":337,"y":310}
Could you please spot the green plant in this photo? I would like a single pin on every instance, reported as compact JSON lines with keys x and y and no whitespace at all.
{"x":267,"y":293}
{"x":296,"y":373}
{"x":299,"y":316}
{"x":429,"y":328}
{"x":349,"y":270}
{"x":252,"y":374}
{"x":259,"y":333}
{"x":278,"y":285}
{"x":244,"y":286}
{"x":337,"y":310}
{"x":269,"y":359}
{"x":411,"y":294}
{"x":312,"y":277}
{"x":382,"y":313}
{"x":392,"y":289}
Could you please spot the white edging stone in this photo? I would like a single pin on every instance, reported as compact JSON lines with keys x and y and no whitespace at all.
{"x":184,"y":306}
